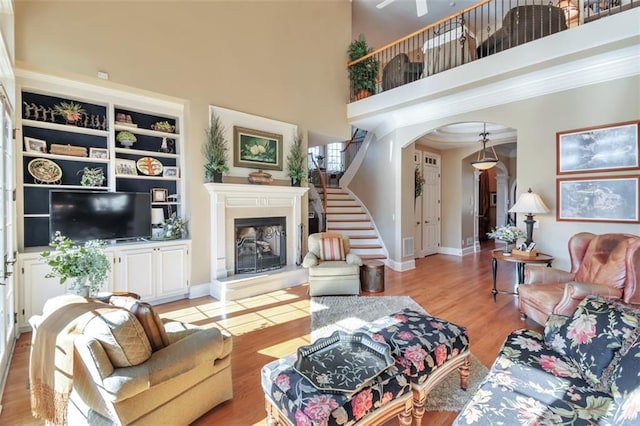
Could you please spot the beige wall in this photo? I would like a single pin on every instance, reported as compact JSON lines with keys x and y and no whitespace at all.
{"x":283,"y":60}
{"x":536,"y":120}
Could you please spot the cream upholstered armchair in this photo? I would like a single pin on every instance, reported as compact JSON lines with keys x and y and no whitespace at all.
{"x":606,"y":265}
{"x":332,"y":269}
{"x":130,"y":367}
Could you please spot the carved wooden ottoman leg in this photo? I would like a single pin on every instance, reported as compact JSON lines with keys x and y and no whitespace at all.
{"x":419,"y":399}
{"x":404,"y":417}
{"x":464,"y":372}
{"x":272,"y":420}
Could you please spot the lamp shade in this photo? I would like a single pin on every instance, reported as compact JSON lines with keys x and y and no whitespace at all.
{"x":485,"y":160}
{"x":530,"y":203}
{"x":157,"y":216}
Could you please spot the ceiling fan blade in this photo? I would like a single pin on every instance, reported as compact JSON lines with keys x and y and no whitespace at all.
{"x":421,"y":7}
{"x":384,"y":3}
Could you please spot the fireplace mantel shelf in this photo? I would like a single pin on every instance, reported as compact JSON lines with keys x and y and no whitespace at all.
{"x":230,"y":201}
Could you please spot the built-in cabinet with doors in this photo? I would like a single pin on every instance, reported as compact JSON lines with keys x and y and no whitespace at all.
{"x":427,"y":205}
{"x":134,"y":140}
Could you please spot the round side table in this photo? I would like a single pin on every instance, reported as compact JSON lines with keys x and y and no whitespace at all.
{"x":372,"y":276}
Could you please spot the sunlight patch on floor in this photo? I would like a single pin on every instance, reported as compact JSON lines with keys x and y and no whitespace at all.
{"x":244,"y":315}
{"x":285,"y":348}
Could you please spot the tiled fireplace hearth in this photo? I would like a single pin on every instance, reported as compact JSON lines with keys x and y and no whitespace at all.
{"x":231,"y":203}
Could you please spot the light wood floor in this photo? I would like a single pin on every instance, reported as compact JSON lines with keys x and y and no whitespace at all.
{"x":273,"y":325}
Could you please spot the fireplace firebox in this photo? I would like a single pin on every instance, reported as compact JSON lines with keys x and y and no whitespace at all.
{"x":261,"y":244}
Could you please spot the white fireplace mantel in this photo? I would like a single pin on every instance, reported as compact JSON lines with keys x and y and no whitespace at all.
{"x":230,"y":201}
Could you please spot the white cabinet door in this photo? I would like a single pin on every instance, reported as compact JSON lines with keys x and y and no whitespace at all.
{"x":136,"y":271}
{"x":36,"y":288}
{"x":172,"y":270}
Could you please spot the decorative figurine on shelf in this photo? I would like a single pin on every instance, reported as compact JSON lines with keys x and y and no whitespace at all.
{"x":167,"y":146}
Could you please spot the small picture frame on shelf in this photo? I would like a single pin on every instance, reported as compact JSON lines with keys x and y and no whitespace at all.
{"x":35,"y":145}
{"x":102,"y":153}
{"x":159,"y":195}
{"x":170,"y":171}
{"x":126,"y":167}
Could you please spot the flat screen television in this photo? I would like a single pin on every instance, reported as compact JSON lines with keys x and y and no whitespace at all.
{"x":83,"y":215}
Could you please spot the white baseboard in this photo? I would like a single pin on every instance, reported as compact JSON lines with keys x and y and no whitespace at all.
{"x":401,"y":266}
{"x":199,"y":290}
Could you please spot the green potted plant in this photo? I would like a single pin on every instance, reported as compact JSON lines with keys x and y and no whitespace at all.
{"x":71,"y":111}
{"x":215,"y":151}
{"x":296,"y":161}
{"x":364,"y":73}
{"x":92,"y":176}
{"x":86,"y":265}
{"x":126,"y":138}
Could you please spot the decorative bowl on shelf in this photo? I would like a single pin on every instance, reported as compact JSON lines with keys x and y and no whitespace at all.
{"x":163,"y":126}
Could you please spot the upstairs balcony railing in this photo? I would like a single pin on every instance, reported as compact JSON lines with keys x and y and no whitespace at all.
{"x":486,"y":28}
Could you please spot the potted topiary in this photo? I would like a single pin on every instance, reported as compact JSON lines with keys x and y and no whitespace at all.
{"x":296,"y":161}
{"x":87,"y":265}
{"x":215,"y":151}
{"x":71,"y":111}
{"x":126,"y":138}
{"x":362,"y":74}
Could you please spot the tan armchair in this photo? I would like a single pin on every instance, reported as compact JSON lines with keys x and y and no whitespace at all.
{"x":130,"y":367}
{"x":607,"y":265}
{"x":333,"y":270}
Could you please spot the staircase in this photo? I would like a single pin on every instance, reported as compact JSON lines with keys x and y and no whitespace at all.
{"x":346,"y":216}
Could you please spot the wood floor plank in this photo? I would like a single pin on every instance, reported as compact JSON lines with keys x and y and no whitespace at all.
{"x":271,"y":326}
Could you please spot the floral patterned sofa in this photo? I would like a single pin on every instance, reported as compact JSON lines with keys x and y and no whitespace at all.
{"x":585,"y":370}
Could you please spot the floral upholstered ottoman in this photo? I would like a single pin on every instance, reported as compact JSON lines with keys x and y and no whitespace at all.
{"x":426,"y":348}
{"x":291,"y":399}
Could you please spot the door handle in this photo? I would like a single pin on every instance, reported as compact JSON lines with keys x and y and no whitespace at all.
{"x":7,"y":263}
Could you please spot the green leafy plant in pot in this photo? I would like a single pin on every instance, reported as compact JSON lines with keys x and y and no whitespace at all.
{"x":86,"y":265}
{"x":296,"y":161}
{"x":215,"y":151}
{"x":362,"y":74}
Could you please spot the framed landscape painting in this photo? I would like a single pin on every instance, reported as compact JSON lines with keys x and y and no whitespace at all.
{"x":255,"y":149}
{"x":597,"y":149}
{"x":606,"y":199}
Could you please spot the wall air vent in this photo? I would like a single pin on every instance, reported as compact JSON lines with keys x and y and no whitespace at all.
{"x":407,"y":247}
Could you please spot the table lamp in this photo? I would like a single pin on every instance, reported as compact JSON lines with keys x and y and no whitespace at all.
{"x":530,"y":204}
{"x":157,"y":219}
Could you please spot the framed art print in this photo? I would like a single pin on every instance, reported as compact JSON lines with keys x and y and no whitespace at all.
{"x":256,"y":149}
{"x":602,"y":199}
{"x":597,"y":149}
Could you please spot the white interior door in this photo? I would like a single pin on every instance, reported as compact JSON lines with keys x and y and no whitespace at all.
{"x":417,"y":209}
{"x":7,"y":238}
{"x":431,"y":204}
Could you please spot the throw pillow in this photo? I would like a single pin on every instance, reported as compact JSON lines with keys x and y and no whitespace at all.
{"x":625,"y":386}
{"x":121,"y":336}
{"x":149,"y":319}
{"x":552,"y":336}
{"x":331,"y":248}
{"x":595,"y":333}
